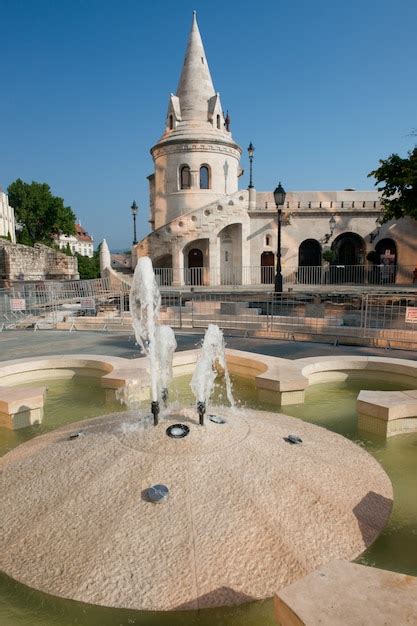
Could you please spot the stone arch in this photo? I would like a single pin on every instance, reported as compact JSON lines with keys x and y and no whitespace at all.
{"x":348,"y":266}
{"x":185,"y":177}
{"x":162,"y":266}
{"x":309,"y":262}
{"x":196,"y":262}
{"x":386,"y":258}
{"x":349,"y":249}
{"x":205,"y":176}
{"x":230,"y":240}
{"x":309,"y":253}
{"x":267,"y":267}
{"x":386,"y":250}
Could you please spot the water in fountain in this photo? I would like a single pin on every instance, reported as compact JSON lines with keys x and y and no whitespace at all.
{"x":211,"y":359}
{"x":157,"y":341}
{"x":144,"y":304}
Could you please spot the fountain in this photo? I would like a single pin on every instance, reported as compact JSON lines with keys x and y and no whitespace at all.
{"x":211,"y":359}
{"x":223,"y":516}
{"x":158,"y":342}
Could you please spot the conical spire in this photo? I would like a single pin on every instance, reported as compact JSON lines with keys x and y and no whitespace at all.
{"x":195,"y":87}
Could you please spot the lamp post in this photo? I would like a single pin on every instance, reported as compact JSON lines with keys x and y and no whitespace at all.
{"x":134,"y":208}
{"x":332,"y":226}
{"x":251,"y":150}
{"x":279,"y":197}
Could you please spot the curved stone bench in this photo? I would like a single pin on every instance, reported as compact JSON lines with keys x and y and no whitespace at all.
{"x":387,"y":413}
{"x":327,"y":369}
{"x":342,"y":593}
{"x":279,"y":381}
{"x":21,"y":407}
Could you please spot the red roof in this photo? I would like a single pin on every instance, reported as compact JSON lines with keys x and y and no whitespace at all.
{"x":81,"y":234}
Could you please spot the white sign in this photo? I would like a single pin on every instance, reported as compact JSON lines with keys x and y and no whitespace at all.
{"x":411,"y":314}
{"x":17,"y":304}
{"x":88,"y":303}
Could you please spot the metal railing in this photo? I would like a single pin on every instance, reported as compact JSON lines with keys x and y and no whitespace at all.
{"x":360,"y":317}
{"x":100,"y":305}
{"x":379,"y":275}
{"x":46,"y":303}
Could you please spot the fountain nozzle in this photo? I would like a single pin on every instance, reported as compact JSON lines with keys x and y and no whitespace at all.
{"x":155,"y":412}
{"x":164,"y":396}
{"x":201,"y":408}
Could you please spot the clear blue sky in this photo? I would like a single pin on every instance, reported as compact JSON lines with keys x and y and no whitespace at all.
{"x":322,"y":88}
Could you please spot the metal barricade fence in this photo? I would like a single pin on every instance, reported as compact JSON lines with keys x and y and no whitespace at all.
{"x":390,"y":315}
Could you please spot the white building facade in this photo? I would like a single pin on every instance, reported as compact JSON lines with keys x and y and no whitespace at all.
{"x":81,"y":243}
{"x":205,"y":231}
{"x":7,"y":221}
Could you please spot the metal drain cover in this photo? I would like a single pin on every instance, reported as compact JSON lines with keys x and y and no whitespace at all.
{"x":75,"y":435}
{"x":177,"y":431}
{"x":293,"y":439}
{"x":157,"y":493}
{"x":217,"y":419}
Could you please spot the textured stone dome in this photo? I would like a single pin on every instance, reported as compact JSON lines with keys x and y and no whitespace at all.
{"x":247,"y":512}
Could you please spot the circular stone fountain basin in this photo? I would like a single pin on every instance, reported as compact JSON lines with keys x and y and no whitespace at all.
{"x":247,"y":513}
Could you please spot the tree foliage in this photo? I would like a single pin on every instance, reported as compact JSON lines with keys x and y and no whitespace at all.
{"x":89,"y":267}
{"x":396,"y":178}
{"x":40,"y":214}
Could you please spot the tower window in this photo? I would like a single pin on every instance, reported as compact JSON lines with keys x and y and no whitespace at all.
{"x":218,"y":121}
{"x":204,"y":177}
{"x":185,"y":177}
{"x":171,"y":122}
{"x":268,"y":240}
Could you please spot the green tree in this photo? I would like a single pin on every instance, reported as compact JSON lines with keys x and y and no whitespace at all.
{"x":396,"y":178}
{"x":89,"y":267}
{"x":68,"y":250}
{"x":40,"y":214}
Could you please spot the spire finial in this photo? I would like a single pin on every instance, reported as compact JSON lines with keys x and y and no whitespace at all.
{"x":195,"y":87}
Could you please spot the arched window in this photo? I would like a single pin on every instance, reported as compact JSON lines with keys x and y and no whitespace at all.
{"x":268,"y":240}
{"x":218,"y":121}
{"x":185,"y":177}
{"x":204,"y":177}
{"x":171,"y":122}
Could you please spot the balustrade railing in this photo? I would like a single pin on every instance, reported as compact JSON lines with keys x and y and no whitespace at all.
{"x":378,"y":275}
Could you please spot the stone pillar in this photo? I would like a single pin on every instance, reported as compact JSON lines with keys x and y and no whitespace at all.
{"x":214,"y":261}
{"x":177,"y":266}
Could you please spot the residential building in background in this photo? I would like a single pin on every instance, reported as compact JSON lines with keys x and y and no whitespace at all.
{"x":81,"y":243}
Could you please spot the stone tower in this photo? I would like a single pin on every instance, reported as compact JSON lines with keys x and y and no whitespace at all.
{"x":196,"y":160}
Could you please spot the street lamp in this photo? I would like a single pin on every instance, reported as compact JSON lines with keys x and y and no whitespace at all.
{"x":251,"y":150}
{"x":134,"y":208}
{"x":279,"y":197}
{"x":332,"y":226}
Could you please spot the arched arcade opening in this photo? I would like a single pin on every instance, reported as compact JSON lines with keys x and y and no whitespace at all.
{"x":309,"y":262}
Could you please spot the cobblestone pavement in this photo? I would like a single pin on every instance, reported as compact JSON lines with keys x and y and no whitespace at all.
{"x":15,"y":344}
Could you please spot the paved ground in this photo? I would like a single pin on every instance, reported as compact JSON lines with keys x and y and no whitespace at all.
{"x":15,"y":344}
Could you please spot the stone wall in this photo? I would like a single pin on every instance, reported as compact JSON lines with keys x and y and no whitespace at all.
{"x":18,"y":262}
